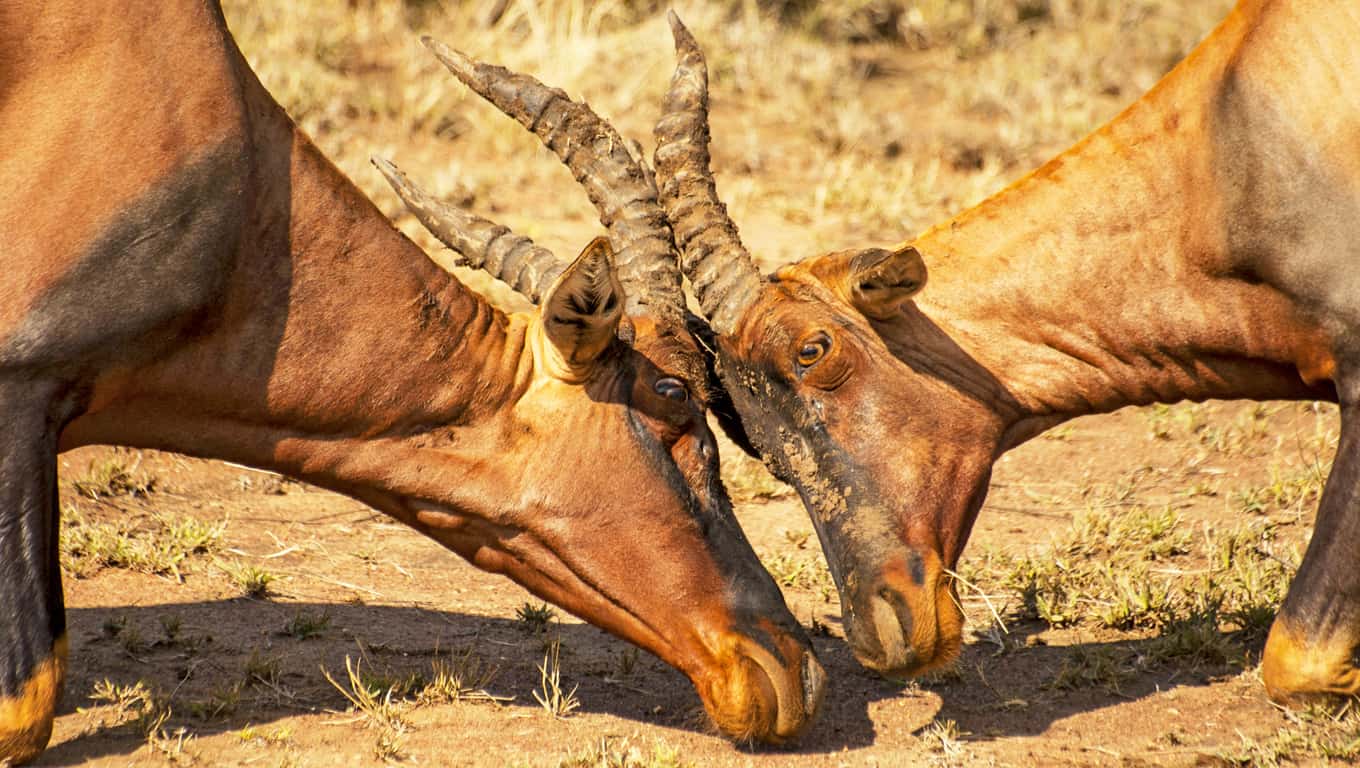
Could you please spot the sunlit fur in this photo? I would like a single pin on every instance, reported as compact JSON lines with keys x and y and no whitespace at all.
{"x":26,"y":718}
{"x":1201,"y":245}
{"x":300,"y":332}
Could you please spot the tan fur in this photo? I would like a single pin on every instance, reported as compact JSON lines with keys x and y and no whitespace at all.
{"x":1108,"y":277}
{"x":26,"y":719}
{"x":339,"y":354}
{"x":1297,"y":672}
{"x":876,"y":282}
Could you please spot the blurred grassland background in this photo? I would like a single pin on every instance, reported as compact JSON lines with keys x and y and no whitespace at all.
{"x":836,"y":124}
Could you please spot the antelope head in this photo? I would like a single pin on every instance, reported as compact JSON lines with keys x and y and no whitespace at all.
{"x":831,"y":408}
{"x":645,"y":545}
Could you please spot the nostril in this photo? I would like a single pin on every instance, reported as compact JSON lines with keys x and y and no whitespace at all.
{"x":707,"y":448}
{"x":884,"y":646}
{"x":814,"y":684}
{"x":892,"y":613}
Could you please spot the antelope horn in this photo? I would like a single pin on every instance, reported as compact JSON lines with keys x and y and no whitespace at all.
{"x":718,"y":266}
{"x":617,"y":182}
{"x":514,"y":260}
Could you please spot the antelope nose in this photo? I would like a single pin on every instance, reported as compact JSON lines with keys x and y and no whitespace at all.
{"x":881,"y":641}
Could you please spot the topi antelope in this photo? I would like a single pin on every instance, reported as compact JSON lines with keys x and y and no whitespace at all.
{"x":1204,"y":244}
{"x":185,"y":271}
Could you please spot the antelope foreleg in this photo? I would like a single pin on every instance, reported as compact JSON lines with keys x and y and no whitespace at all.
{"x":1311,"y":651}
{"x":32,"y":616}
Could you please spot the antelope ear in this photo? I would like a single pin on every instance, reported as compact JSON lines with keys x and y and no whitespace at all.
{"x":583,"y":308}
{"x":878,"y":282}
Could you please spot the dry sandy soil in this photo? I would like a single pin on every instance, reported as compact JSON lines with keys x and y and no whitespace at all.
{"x":877,"y":140}
{"x":246,"y":690}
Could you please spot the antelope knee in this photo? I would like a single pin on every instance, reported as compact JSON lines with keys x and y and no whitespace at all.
{"x":26,"y":712}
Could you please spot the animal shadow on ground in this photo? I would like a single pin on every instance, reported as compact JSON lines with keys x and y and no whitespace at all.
{"x":227,"y":664}
{"x":224,"y":665}
{"x":1016,"y":687}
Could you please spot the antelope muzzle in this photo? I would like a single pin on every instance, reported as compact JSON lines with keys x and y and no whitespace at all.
{"x":902,"y":616}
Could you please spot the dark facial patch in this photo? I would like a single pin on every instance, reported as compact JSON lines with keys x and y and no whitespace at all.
{"x":752,"y":592}
{"x":916,"y":568}
{"x":798,"y":450}
{"x":159,"y":261}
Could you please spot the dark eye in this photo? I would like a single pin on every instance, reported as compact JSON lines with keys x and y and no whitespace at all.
{"x":812,"y":349}
{"x":672,"y":389}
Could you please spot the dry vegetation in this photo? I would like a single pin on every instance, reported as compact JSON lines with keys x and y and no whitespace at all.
{"x":1121,"y":562}
{"x":827,"y":125}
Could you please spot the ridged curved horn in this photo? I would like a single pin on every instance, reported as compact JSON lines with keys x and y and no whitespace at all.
{"x":712,"y":256}
{"x":514,"y":260}
{"x":617,"y":182}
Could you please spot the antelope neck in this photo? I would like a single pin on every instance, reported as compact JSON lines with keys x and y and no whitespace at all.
{"x":1111,"y":276}
{"x":332,"y":327}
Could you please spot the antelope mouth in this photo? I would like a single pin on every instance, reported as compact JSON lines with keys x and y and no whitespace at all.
{"x":761,"y":698}
{"x":906,"y":630}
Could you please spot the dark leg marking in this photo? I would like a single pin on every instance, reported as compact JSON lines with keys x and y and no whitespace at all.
{"x":32,"y":615}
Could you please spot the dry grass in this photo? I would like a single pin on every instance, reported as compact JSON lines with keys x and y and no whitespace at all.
{"x":945,"y":738}
{"x":461,"y":676}
{"x":809,"y":142}
{"x":1146,"y":569}
{"x":836,"y":124}
{"x":376,"y":706}
{"x":249,"y":580}
{"x":115,"y":477}
{"x":623,"y":753}
{"x":305,"y":625}
{"x":155,"y":544}
{"x":552,"y":695}
{"x":1321,"y":734}
{"x":535,"y":618}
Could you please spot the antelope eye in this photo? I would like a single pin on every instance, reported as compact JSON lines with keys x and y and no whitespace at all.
{"x":672,"y":389}
{"x":813,"y":349}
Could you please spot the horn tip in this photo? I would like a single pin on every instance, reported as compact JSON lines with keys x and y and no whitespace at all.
{"x":684,"y":41}
{"x":456,"y":61}
{"x":386,"y":167}
{"x":408,"y":192}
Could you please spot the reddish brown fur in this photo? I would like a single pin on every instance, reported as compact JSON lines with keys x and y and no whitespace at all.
{"x":1200,"y":245}
{"x":337,"y":353}
{"x":61,"y":76}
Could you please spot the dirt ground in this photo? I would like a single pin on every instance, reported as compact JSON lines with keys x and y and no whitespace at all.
{"x":232,"y":644}
{"x":398,"y":602}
